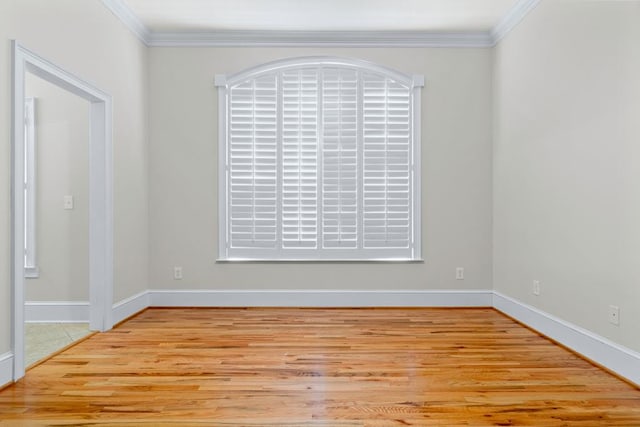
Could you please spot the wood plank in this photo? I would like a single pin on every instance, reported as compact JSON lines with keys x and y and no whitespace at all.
{"x":319,"y":367}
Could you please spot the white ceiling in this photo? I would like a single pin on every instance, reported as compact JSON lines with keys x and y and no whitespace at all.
{"x":160,"y":16}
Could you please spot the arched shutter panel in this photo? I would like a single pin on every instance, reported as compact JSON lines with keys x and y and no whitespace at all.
{"x":319,"y":161}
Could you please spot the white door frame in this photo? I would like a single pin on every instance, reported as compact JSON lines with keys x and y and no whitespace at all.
{"x":100,"y":194}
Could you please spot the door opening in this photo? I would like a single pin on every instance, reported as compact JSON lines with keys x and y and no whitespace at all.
{"x":100,"y":194}
{"x":56,"y":219}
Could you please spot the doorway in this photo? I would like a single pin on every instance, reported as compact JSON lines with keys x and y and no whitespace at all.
{"x":56,"y":219}
{"x":100,"y":203}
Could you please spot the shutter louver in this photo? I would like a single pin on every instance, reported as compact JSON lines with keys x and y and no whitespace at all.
{"x":300,"y":158}
{"x":253,"y":164}
{"x":339,"y":158}
{"x":387,"y":165}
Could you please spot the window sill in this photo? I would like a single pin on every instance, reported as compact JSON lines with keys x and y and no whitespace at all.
{"x":315,"y":261}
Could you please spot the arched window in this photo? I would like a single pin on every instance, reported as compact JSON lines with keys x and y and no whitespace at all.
{"x":319,"y":159}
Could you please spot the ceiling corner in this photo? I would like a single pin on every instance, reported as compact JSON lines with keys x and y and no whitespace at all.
{"x":515,"y":15}
{"x":120,"y":9}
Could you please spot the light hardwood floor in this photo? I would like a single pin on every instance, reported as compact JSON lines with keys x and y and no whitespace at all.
{"x":319,"y":367}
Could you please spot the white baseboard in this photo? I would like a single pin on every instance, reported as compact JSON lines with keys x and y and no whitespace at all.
{"x":621,"y":360}
{"x":130,"y":306}
{"x":6,"y":368}
{"x":56,"y":312}
{"x":319,"y":298}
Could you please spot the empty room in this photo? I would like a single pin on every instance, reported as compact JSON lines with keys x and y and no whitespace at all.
{"x":319,"y":213}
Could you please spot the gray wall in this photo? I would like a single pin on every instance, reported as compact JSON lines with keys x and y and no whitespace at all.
{"x":456,"y":167}
{"x":533,"y":153}
{"x":62,"y":168}
{"x":567,"y":164}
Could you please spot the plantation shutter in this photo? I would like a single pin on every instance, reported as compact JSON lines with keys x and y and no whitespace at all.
{"x":319,"y":161}
{"x":339,"y":158}
{"x":300,"y":158}
{"x":253,"y":164}
{"x":387,"y":163}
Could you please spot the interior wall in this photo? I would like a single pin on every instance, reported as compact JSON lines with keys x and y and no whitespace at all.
{"x":62,"y":168}
{"x":563,"y":97}
{"x":567,"y":164}
{"x":456,"y":166}
{"x":84,"y":38}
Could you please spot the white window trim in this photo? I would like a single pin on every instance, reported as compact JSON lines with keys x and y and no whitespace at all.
{"x":31,"y":270}
{"x":224,"y":83}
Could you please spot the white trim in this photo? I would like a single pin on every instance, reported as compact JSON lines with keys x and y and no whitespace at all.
{"x":30,"y":189}
{"x":56,"y":311}
{"x":619,"y":359}
{"x":223,"y":170}
{"x":220,"y":80}
{"x":120,"y":9}
{"x":78,"y":311}
{"x":320,"y":298}
{"x":6,"y":368}
{"x":240,"y":38}
{"x":17,"y":198}
{"x":130,"y":306}
{"x":31,"y":272}
{"x":515,"y":15}
{"x":223,"y":80}
{"x":480,"y":39}
{"x":100,"y":193}
{"x":326,"y":260}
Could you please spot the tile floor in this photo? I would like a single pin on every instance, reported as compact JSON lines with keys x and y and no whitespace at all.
{"x":43,"y":339}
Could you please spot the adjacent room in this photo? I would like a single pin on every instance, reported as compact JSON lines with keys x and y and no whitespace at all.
{"x":336,"y":213}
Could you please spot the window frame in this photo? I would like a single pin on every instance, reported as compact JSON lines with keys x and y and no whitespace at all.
{"x":31,"y":270}
{"x":413,"y":83}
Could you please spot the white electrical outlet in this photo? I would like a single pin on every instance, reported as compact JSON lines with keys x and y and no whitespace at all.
{"x":177,"y":273}
{"x":536,"y":287}
{"x":614,"y":314}
{"x":459,"y":273}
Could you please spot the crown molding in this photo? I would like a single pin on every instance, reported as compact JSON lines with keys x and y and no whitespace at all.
{"x":478,"y":39}
{"x":322,"y":39}
{"x":515,"y":15}
{"x":120,"y":9}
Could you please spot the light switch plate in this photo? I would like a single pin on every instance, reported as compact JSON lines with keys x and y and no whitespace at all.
{"x":68,"y":202}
